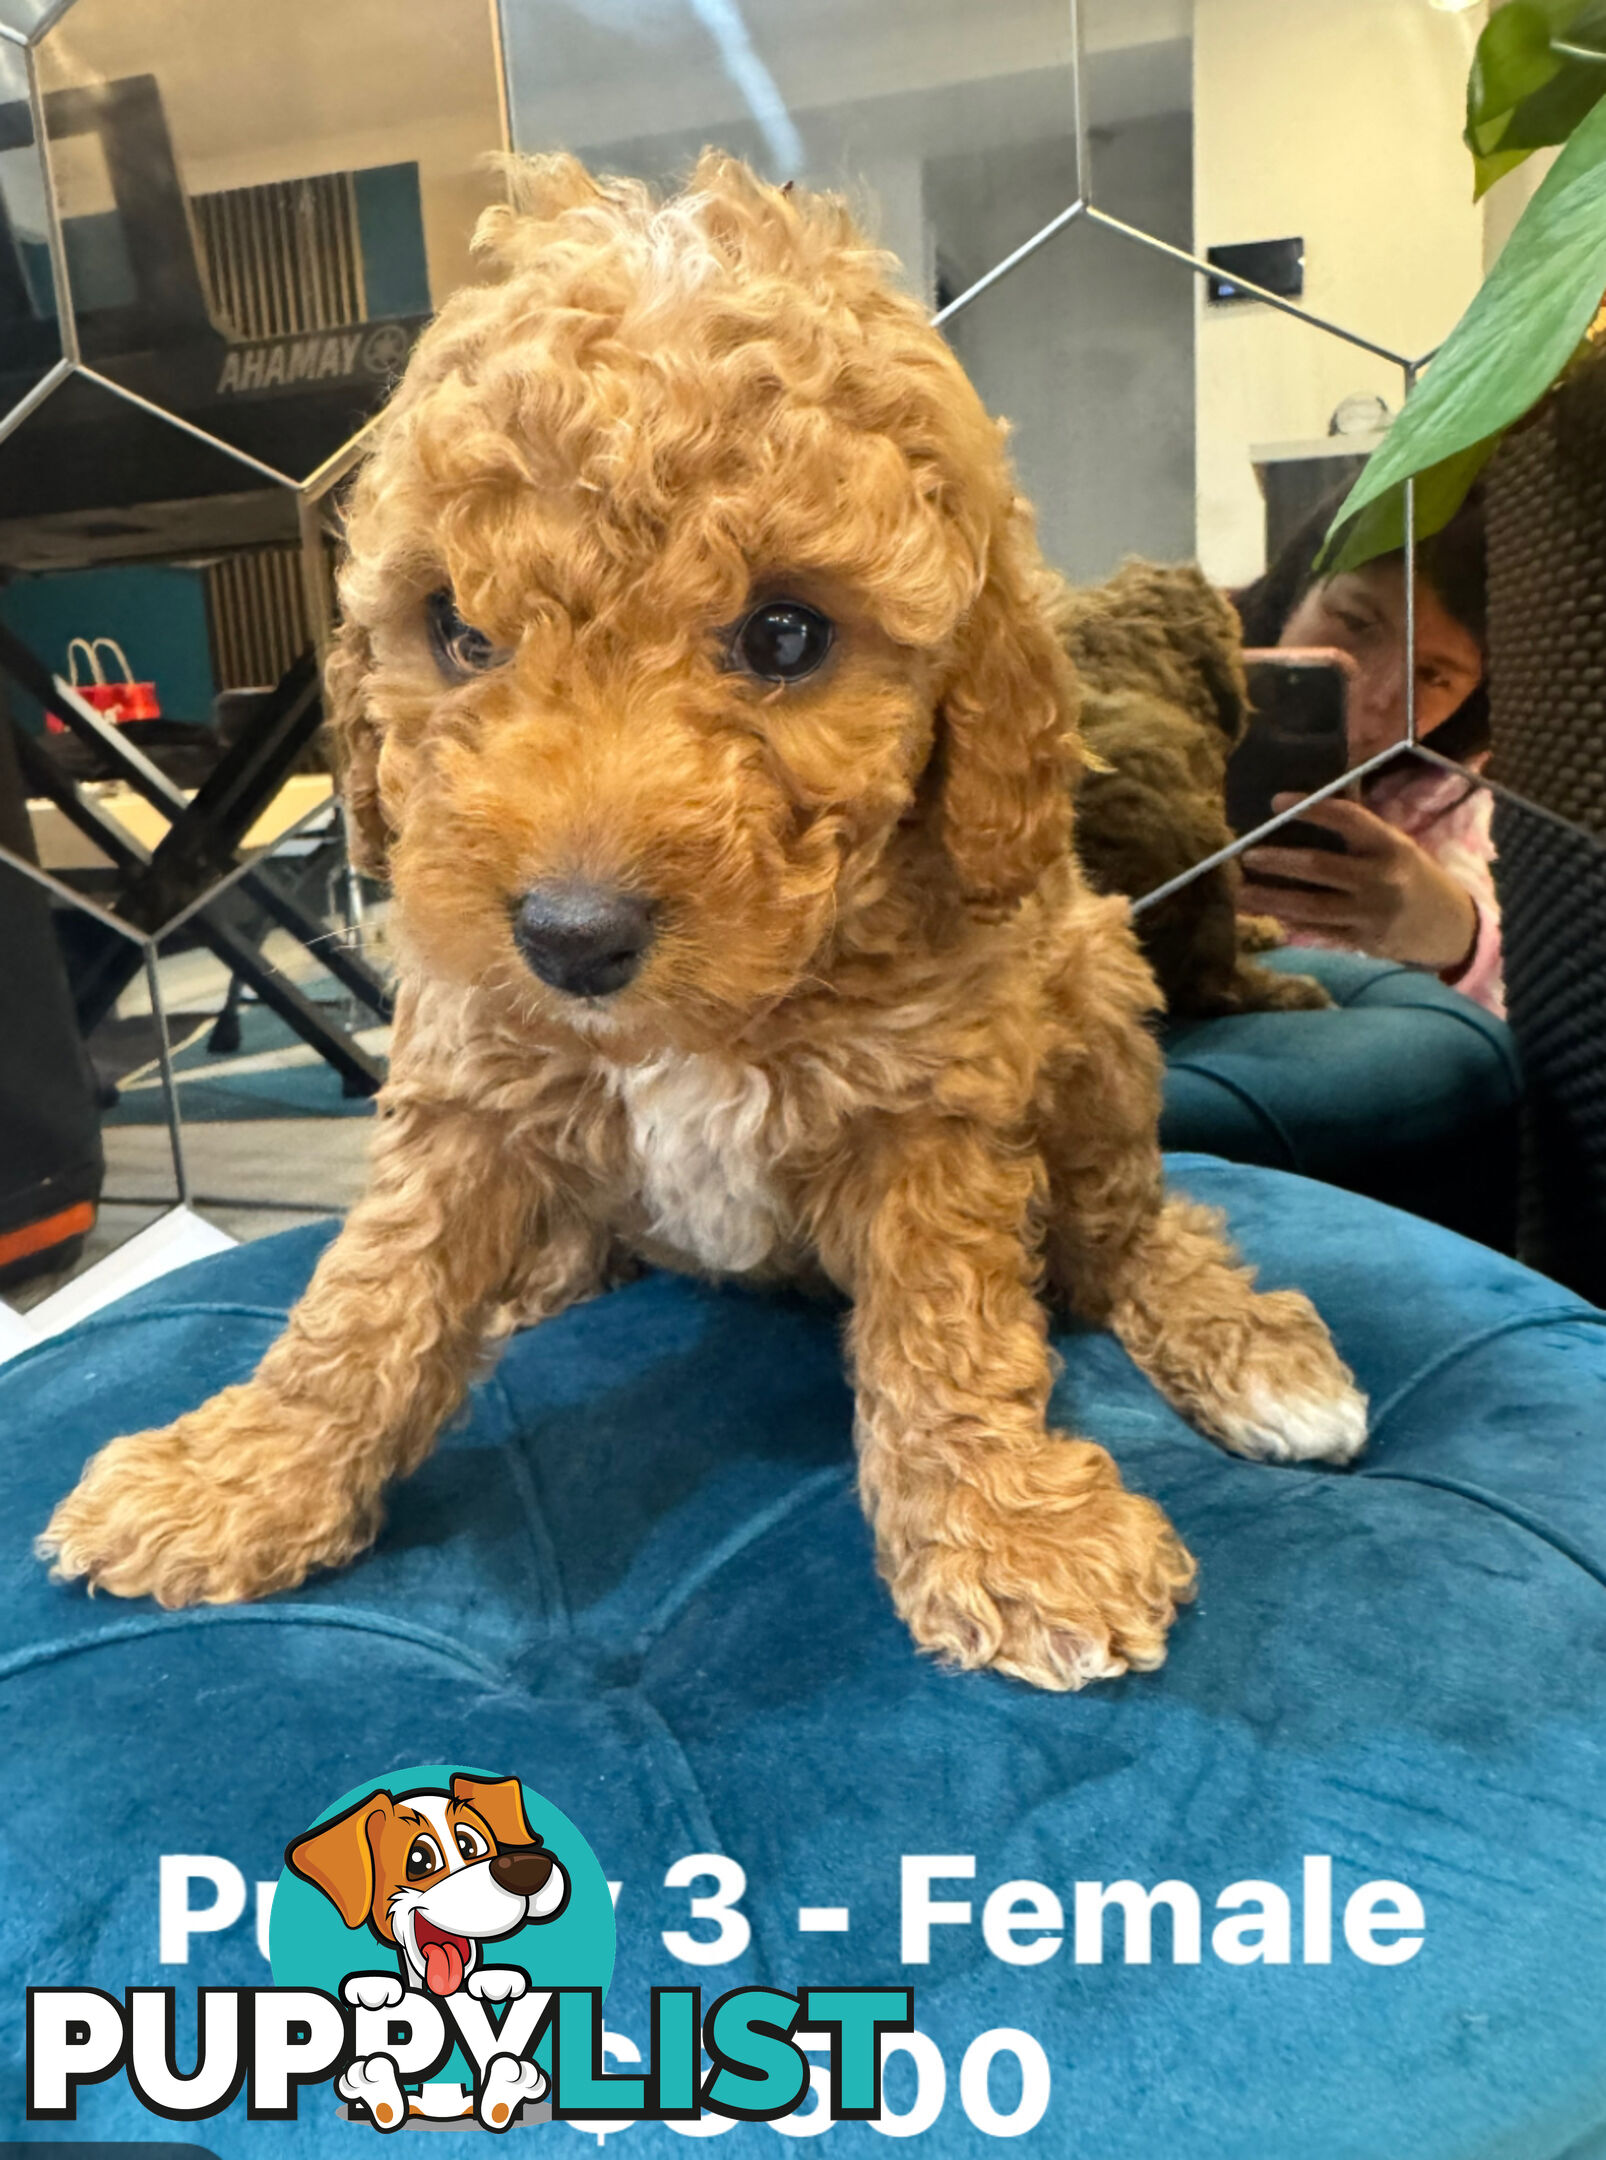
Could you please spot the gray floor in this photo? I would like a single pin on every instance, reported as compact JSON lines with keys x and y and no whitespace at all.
{"x":249,"y":1178}
{"x":291,"y":1169}
{"x":285,"y":1171}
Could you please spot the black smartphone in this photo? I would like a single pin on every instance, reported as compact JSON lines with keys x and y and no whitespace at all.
{"x":1296,"y":742}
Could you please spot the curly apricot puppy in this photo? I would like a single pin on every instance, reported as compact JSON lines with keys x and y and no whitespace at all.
{"x":696,"y":685}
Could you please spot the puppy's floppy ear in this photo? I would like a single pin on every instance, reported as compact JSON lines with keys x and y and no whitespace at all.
{"x":337,"y":1858}
{"x":1008,"y":730}
{"x":357,"y":742}
{"x":501,"y":1802}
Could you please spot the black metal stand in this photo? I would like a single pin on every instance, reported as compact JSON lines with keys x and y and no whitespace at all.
{"x":195,"y":875}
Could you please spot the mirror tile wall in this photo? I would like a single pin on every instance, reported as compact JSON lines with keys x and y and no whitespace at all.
{"x":248,"y":199}
{"x":214,"y":267}
{"x":30,"y":311}
{"x":270,"y":201}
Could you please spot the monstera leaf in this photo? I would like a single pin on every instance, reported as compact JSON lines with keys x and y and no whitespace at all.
{"x":1524,"y":326}
{"x":1539,"y":68}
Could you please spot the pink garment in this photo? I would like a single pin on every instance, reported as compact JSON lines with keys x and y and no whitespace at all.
{"x":1449,"y":816}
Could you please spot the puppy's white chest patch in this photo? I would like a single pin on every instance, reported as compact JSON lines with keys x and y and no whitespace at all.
{"x":697,"y":1128}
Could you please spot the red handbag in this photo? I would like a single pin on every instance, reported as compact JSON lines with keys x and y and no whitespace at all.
{"x":119,"y":701}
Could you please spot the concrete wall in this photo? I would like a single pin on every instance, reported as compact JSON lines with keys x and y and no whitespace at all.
{"x":1088,"y":346}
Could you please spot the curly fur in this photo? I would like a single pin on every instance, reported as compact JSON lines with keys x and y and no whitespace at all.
{"x":1164,"y":703}
{"x":885,"y":1031}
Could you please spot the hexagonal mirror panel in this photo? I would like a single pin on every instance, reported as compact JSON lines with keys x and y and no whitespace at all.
{"x":263,"y":206}
{"x":1086,"y":348}
{"x":1137,"y":65}
{"x":30,"y":326}
{"x":1328,"y":164}
{"x":1129,"y":445}
{"x":257,"y":1024}
{"x":874,"y":100}
{"x":259,"y":208}
{"x":90,"y":477}
{"x":27,"y":20}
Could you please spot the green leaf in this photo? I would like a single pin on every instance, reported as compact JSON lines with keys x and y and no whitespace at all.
{"x":1551,"y":114}
{"x":1523,"y":326}
{"x":1513,"y":59}
{"x":1379,"y":529}
{"x":1487,"y":170}
{"x":1573,"y":18}
{"x":1581,"y":21}
{"x":1532,"y":81}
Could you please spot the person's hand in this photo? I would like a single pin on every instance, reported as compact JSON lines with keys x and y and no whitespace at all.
{"x":1386,"y":895}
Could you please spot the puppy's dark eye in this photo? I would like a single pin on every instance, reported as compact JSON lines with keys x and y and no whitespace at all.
{"x":423,"y":1858}
{"x":458,"y":646}
{"x":782,"y":641}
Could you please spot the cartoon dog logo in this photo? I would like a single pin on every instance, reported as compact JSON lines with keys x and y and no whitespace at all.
{"x":435,"y":1875}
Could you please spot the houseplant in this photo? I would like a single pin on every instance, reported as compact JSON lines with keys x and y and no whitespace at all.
{"x":1538,"y":77}
{"x":1517,"y":393}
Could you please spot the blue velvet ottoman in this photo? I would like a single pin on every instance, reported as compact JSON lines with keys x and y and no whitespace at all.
{"x":636,"y":1575}
{"x":1405,"y":1091}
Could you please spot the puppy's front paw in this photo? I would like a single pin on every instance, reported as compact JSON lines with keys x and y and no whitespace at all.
{"x":372,"y":1991}
{"x":1268,"y":990}
{"x":1291,"y":1397}
{"x":1260,"y":933}
{"x":509,"y":2082}
{"x":373,"y":2082}
{"x":1046,"y":1568}
{"x":1273,"y":991}
{"x":498,"y":1983}
{"x":234,"y":1501}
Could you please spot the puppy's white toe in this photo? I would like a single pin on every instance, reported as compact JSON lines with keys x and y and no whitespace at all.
{"x":374,"y":2082}
{"x":1303,"y":1425}
{"x":509,"y":2082}
{"x":498,"y":1983}
{"x":372,"y":1991}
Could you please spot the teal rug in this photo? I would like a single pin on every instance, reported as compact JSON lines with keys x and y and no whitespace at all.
{"x":272,"y":1075}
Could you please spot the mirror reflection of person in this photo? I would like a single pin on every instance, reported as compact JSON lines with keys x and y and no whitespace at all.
{"x":1416,"y":884}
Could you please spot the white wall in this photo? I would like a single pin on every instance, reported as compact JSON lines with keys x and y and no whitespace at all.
{"x":1339,"y":120}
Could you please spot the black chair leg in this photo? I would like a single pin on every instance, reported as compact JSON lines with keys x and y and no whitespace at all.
{"x":224,"y":1039}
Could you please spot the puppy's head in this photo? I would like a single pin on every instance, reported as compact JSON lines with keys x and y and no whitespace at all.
{"x":1160,"y":631}
{"x":435,"y":1873}
{"x":686,"y":569}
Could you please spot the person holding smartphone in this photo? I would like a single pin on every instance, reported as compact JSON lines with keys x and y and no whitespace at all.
{"x":1415,"y":882}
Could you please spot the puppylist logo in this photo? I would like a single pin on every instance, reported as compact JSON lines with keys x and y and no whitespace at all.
{"x":445,"y":1878}
{"x":441,"y":1944}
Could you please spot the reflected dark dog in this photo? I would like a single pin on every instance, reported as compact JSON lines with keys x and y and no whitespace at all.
{"x":1164,"y":704}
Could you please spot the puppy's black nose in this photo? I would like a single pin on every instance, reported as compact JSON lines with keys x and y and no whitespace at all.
{"x":584,"y":939}
{"x":523,"y":1869}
